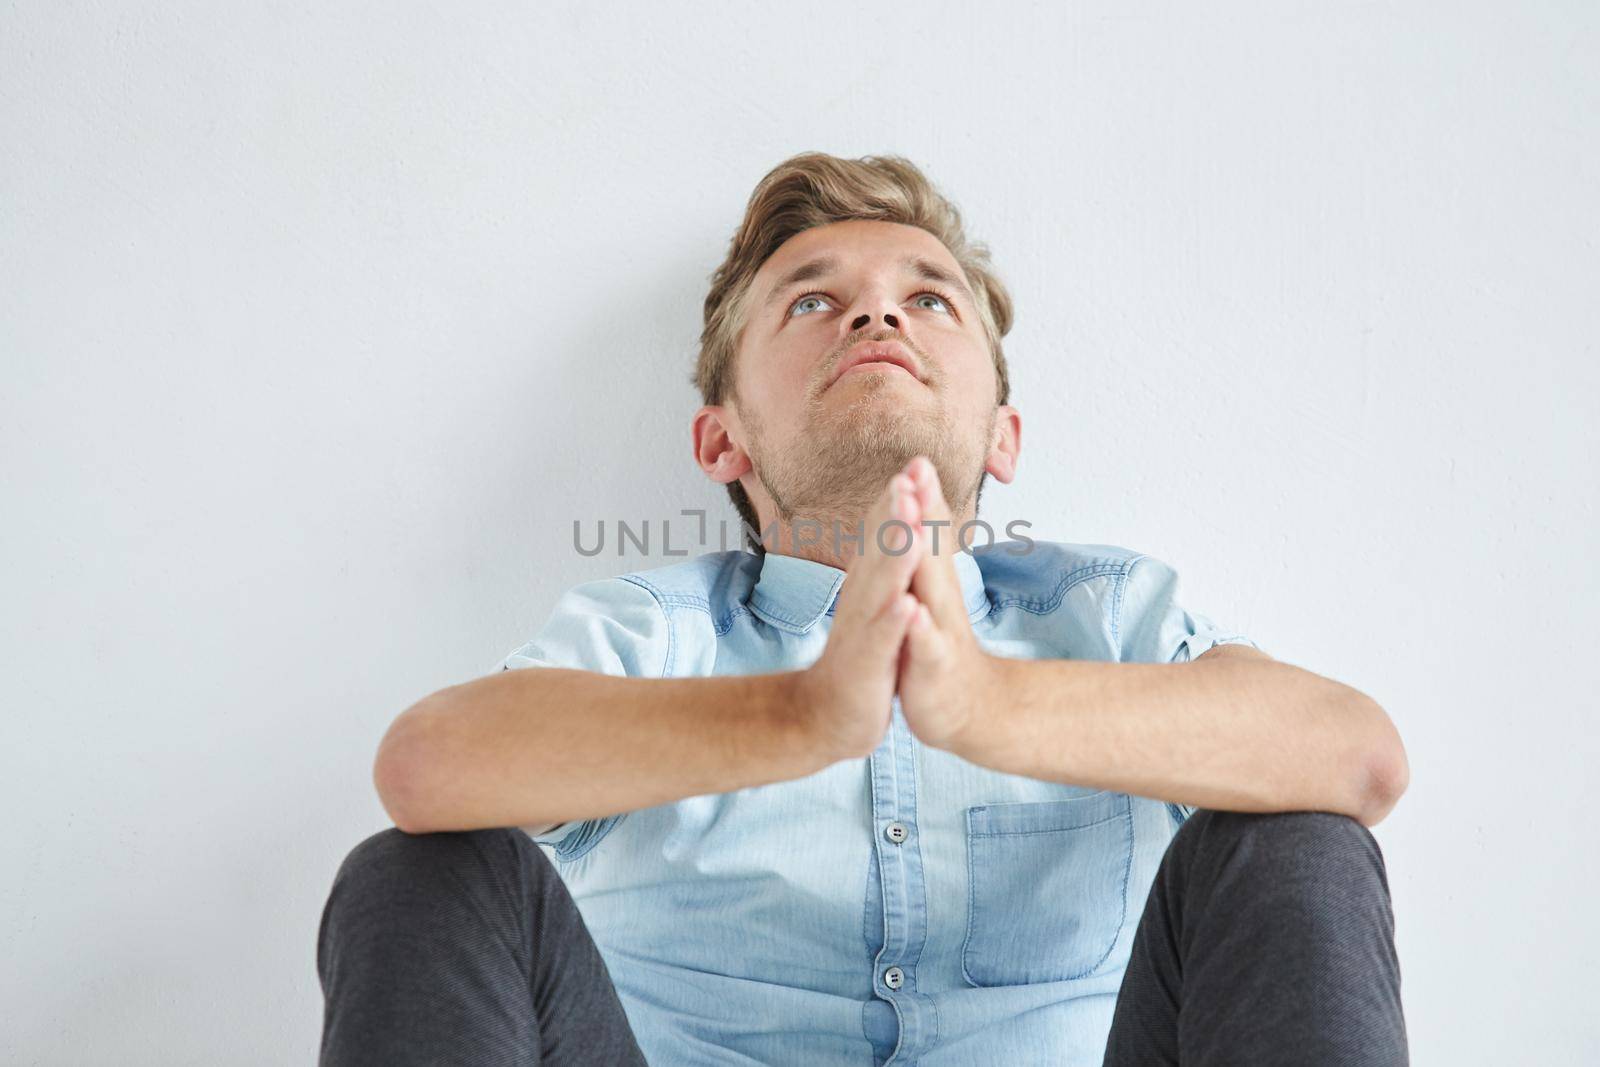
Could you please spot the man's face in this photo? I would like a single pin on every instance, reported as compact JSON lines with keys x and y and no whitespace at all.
{"x":847,"y":369}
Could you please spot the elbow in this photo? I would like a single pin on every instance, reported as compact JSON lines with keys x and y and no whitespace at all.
{"x":1384,"y":773}
{"x":399,"y":773}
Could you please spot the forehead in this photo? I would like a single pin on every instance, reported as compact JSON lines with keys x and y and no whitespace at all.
{"x":855,"y":239}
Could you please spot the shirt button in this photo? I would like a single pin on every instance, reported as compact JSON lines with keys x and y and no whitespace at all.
{"x":894,"y":977}
{"x":896,"y":832}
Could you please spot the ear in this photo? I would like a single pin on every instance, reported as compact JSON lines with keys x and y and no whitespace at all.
{"x":718,"y":454}
{"x":1005,"y":444}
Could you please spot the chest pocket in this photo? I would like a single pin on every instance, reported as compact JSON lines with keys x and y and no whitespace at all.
{"x":1047,"y":887}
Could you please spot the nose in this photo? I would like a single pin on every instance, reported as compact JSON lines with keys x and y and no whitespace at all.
{"x":875,"y":301}
{"x":862,"y":320}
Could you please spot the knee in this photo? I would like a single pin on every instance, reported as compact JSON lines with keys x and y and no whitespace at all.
{"x":394,"y":855}
{"x":395,"y":863}
{"x":394,"y":882}
{"x":1316,"y":852}
{"x":411,"y":894}
{"x":1279,"y":829}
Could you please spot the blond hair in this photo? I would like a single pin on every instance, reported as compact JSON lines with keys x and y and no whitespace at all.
{"x":814,"y":189}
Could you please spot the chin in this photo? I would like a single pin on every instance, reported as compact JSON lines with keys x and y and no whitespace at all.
{"x":875,"y":380}
{"x":878,"y":392}
{"x":893,"y":431}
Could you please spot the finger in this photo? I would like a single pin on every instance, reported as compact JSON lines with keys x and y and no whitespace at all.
{"x":886,"y":532}
{"x":879,"y":639}
{"x":936,"y":582}
{"x":885,"y":631}
{"x":924,"y":642}
{"x":925,"y":477}
{"x":881,"y":568}
{"x":937,"y":585}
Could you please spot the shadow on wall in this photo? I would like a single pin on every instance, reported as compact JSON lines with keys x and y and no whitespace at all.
{"x":614,"y":438}
{"x":599,"y":429}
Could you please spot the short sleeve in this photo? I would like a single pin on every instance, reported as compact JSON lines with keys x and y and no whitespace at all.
{"x":1152,"y":627}
{"x":610,"y":626}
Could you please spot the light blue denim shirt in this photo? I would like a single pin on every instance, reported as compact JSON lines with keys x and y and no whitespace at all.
{"x":910,"y":907}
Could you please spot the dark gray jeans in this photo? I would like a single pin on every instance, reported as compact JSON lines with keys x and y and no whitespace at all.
{"x":1266,"y":938}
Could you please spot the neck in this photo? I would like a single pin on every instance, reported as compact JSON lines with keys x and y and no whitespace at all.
{"x":836,"y":541}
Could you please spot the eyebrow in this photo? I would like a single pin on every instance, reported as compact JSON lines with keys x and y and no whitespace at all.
{"x":919,"y":267}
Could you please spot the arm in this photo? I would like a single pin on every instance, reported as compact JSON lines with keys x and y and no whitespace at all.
{"x":545,"y":745}
{"x":550,"y":744}
{"x":1234,"y":730}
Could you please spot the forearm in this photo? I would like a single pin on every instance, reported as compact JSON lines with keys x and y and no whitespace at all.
{"x":547,"y":744}
{"x":1229,"y":734}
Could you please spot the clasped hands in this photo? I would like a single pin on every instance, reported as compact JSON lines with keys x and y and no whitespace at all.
{"x":900,"y":627}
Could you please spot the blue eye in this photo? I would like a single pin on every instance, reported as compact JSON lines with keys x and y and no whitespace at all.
{"x":940,"y":297}
{"x":803,"y":299}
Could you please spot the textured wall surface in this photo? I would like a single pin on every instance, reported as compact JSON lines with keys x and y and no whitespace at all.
{"x":321,"y":323}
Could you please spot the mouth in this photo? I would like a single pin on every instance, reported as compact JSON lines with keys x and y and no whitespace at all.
{"x":876,"y":365}
{"x":881,"y":356}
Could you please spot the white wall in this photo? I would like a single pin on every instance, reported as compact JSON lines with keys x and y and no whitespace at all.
{"x":321,"y":323}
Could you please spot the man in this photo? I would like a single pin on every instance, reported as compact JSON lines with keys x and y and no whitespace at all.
{"x":857,"y":795}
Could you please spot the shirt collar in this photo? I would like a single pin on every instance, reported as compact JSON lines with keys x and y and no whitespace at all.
{"x":793,"y":593}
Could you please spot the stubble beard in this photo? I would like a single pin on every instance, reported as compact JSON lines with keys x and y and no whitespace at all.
{"x":845,"y":453}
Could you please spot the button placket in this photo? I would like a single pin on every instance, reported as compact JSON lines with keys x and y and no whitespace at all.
{"x":893,"y":770}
